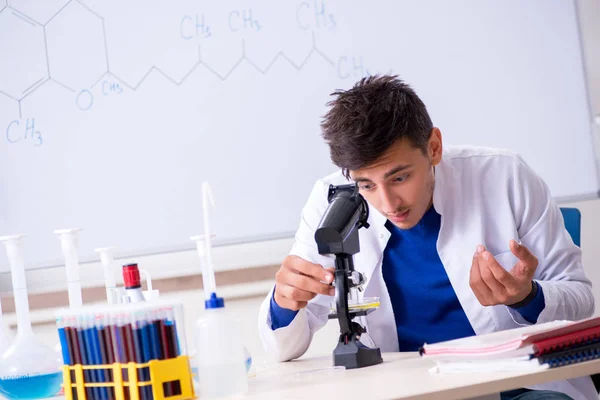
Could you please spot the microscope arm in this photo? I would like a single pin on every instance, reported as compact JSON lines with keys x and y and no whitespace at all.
{"x":341,"y":296}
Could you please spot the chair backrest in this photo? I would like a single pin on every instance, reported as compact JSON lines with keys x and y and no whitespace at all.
{"x":572,"y":217}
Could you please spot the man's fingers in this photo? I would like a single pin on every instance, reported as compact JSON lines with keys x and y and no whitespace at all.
{"x":298,"y":281}
{"x":500,"y":274}
{"x":523,"y":253}
{"x":482,"y":292}
{"x":493,"y":284}
{"x":332,"y":271}
{"x":485,"y":261}
{"x":309,"y":269}
{"x":474,"y":276}
{"x":525,"y":268}
{"x":308,"y":284}
{"x":294,"y":293}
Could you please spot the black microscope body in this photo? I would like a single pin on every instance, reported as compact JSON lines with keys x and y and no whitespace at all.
{"x":338,"y":234}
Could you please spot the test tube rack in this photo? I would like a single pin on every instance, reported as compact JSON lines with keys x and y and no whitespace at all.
{"x":162,"y":372}
{"x":126,"y":352}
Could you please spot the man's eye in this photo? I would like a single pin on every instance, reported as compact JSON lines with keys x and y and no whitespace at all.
{"x":365,"y":186}
{"x":401,"y":178}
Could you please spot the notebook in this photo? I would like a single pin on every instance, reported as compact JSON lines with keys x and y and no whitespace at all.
{"x":523,"y":364}
{"x":570,"y":356}
{"x":552,"y":359}
{"x":535,"y":340}
{"x":535,"y":347}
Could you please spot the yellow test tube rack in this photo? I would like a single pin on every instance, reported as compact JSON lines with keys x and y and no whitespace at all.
{"x":161,"y":372}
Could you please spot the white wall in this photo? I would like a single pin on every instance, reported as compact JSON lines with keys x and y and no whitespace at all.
{"x":589,"y":13}
{"x":247,"y":308}
{"x":589,"y":18}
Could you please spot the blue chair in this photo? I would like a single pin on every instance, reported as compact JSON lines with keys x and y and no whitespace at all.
{"x":572,"y":218}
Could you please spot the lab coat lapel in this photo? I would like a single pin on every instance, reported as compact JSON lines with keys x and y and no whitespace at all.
{"x":372,"y":243}
{"x":452,"y":249}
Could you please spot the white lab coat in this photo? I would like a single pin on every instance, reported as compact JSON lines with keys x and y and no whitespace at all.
{"x":485,"y":196}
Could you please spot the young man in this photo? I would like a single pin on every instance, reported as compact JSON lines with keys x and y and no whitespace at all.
{"x":462,"y":241}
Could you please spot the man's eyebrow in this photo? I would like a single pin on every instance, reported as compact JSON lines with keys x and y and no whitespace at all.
{"x":391,"y":172}
{"x":395,"y":170}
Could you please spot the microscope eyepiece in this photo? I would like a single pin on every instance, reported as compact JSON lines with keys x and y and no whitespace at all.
{"x":347,"y":212}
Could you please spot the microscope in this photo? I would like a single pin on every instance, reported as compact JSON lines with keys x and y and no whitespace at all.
{"x":338,"y":234}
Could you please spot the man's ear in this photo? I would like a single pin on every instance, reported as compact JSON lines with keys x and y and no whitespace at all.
{"x":435,"y":147}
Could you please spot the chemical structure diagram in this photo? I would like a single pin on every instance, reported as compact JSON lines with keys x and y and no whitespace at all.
{"x":48,"y":40}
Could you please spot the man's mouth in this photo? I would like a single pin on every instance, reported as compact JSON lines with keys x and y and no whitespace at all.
{"x":399,"y":217}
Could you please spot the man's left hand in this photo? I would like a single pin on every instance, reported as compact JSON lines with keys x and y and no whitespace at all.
{"x":493,"y":285}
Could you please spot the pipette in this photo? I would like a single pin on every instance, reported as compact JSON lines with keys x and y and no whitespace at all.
{"x":69,"y":240}
{"x":28,"y":369}
{"x":107,"y":259}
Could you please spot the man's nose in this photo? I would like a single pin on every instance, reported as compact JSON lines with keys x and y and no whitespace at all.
{"x":389,"y":202}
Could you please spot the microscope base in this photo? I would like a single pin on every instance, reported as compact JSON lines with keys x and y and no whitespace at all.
{"x":355,"y":355}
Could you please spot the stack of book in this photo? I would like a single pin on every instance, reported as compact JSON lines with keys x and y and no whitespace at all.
{"x":540,"y":346}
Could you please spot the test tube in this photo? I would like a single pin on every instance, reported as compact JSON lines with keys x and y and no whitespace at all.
{"x":69,"y":240}
{"x":107,"y":260}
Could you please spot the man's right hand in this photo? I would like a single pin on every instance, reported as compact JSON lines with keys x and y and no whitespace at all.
{"x":299,"y":281}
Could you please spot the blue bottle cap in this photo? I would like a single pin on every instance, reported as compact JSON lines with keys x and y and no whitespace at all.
{"x":214,"y":302}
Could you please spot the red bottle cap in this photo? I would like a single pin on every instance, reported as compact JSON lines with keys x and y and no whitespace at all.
{"x":131,"y":276}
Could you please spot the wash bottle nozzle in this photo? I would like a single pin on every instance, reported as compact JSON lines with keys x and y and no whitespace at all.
{"x":208,"y":278}
{"x":204,"y":247}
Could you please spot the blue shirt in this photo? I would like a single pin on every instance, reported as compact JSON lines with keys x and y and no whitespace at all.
{"x":280,"y":317}
{"x":426,"y":309}
{"x":425,"y":306}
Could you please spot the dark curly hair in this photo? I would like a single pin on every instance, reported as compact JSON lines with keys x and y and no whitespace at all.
{"x":363,"y":122}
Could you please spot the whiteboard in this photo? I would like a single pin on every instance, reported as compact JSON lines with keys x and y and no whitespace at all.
{"x":114,"y":112}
